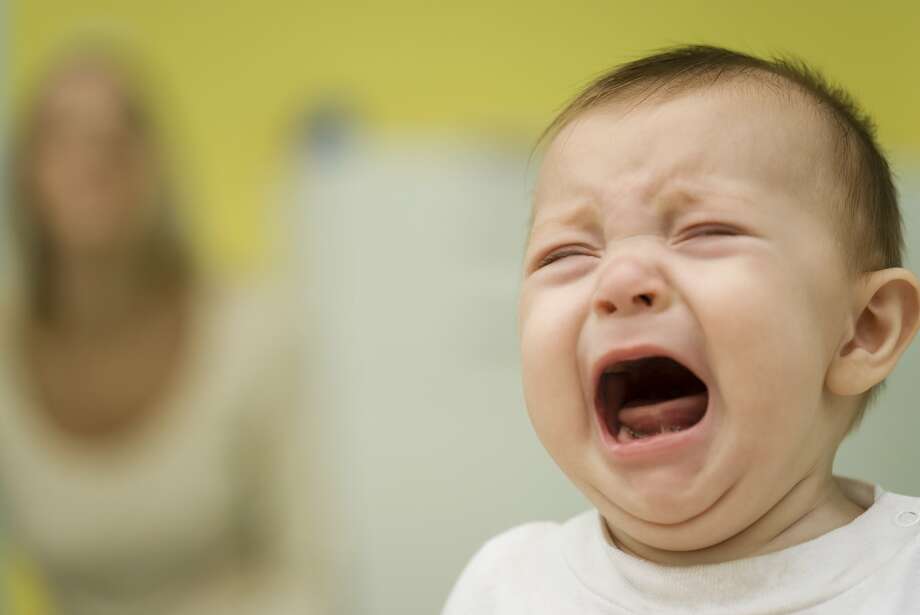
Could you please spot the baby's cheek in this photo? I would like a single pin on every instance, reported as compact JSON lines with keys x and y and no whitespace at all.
{"x":767,"y":350}
{"x":551,"y":321}
{"x":552,"y":386}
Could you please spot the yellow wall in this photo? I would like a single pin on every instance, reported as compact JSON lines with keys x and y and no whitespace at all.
{"x":235,"y":71}
{"x":20,"y":589}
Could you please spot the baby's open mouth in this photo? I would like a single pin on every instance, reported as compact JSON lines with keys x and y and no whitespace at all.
{"x":648,"y":397}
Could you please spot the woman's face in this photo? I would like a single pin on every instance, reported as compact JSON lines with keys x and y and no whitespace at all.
{"x":90,"y":170}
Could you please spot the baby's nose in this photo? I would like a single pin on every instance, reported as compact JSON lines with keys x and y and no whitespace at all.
{"x":630,"y":286}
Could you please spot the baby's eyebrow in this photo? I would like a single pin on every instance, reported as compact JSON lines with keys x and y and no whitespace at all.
{"x":580,"y":215}
{"x":675,"y":202}
{"x":689,"y":198}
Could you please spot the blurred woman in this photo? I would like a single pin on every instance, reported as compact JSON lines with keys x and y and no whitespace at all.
{"x":153,"y":444}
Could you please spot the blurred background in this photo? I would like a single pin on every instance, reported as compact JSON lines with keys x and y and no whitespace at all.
{"x":354,"y":182}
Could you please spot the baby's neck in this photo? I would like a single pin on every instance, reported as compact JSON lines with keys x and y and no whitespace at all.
{"x":815,"y":506}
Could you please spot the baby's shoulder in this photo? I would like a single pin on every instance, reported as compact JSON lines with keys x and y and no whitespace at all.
{"x":508,"y":567}
{"x":517,"y":545}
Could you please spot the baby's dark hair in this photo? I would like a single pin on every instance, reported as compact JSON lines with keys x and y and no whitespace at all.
{"x":869,"y":219}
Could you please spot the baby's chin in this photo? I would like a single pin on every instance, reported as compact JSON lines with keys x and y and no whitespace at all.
{"x":639,"y":538}
{"x":669,"y":517}
{"x":694,"y":534}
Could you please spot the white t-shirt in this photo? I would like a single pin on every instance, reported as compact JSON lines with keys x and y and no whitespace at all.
{"x":870,"y":566}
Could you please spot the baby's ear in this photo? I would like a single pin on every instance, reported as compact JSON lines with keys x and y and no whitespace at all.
{"x":886,"y":319}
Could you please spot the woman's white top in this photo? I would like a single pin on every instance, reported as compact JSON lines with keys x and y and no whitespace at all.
{"x":208,"y":507}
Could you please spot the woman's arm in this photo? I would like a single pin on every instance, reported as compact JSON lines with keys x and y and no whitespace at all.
{"x":285,"y":496}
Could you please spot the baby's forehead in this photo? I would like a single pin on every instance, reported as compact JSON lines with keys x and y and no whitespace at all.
{"x":729,"y":139}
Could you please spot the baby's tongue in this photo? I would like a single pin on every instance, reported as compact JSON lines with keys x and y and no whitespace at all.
{"x":671,"y":415}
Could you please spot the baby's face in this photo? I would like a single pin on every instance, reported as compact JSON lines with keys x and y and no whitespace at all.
{"x":684,"y":295}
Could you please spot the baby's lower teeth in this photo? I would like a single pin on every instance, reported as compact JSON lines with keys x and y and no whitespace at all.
{"x":635,"y":434}
{"x":638,"y":435}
